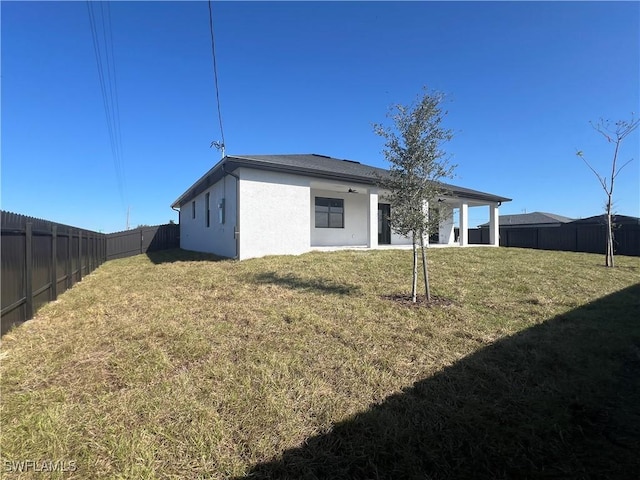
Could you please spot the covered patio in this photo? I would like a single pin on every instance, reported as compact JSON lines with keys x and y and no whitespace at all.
{"x":347,"y":215}
{"x":459,"y":207}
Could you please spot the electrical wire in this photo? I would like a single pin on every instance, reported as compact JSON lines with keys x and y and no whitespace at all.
{"x":109,"y":90}
{"x":215,"y":76}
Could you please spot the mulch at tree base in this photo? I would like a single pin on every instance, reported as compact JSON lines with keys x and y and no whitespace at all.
{"x":421,"y":300}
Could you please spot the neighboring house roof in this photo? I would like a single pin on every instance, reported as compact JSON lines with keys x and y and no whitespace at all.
{"x":314,"y":165}
{"x":531,"y":219}
{"x":602,"y":220}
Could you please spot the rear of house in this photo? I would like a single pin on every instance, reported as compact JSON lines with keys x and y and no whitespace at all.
{"x":257,"y":205}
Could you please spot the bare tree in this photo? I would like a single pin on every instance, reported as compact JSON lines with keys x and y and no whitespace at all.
{"x":613,"y":134}
{"x":417,"y":163}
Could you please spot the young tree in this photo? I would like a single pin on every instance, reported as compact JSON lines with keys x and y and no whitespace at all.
{"x":413,"y":148}
{"x":613,"y":134}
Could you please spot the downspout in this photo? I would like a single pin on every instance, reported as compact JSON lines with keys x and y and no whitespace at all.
{"x":179,"y":215}
{"x":236,"y":232}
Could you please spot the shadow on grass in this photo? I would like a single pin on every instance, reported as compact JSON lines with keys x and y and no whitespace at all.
{"x":179,"y":255}
{"x":559,"y":400}
{"x":297,"y":283}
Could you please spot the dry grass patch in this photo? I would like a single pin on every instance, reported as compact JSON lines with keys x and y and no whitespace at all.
{"x":182,"y":365}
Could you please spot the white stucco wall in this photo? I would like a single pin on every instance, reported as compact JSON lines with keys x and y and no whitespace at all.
{"x":399,"y":239}
{"x":218,"y":238}
{"x":274,"y":213}
{"x":356,"y":221}
{"x":396,"y":239}
{"x":446,"y":233}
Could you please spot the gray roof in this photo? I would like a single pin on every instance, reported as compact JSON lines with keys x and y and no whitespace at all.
{"x":533,"y":218}
{"x":602,"y":220}
{"x":314,"y":165}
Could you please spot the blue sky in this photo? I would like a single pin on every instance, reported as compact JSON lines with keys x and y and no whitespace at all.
{"x":523,"y":81}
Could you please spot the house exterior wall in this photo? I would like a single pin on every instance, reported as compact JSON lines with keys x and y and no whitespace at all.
{"x":396,"y":239}
{"x":446,"y":230}
{"x":219,"y":237}
{"x":356,"y":212}
{"x":274,"y":213}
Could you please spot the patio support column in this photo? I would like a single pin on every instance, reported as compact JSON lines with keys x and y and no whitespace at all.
{"x":494,"y":225}
{"x":372,"y":224}
{"x":464,"y":224}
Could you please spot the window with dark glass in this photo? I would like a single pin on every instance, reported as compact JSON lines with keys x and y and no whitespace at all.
{"x":207,"y":209}
{"x":329,"y":212}
{"x":193,"y":209}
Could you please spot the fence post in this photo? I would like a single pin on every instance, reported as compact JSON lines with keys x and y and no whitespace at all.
{"x":141,"y":240}
{"x":28,"y":269}
{"x":54,"y":261}
{"x":79,"y":255}
{"x":69,"y":263}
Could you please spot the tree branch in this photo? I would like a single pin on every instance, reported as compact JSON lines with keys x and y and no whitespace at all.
{"x":602,"y":181}
{"x":620,"y":169}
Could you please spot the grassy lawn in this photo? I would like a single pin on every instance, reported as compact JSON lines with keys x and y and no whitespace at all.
{"x":181,"y":366}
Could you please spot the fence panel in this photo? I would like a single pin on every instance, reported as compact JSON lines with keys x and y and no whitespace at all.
{"x":13,"y":273}
{"x":62,"y":265}
{"x":73,"y":255}
{"x":42,"y":259}
{"x":142,"y":240}
{"x":38,"y":262}
{"x":475,"y":236}
{"x":123,"y":244}
{"x":41,"y":254}
{"x":627,"y":240}
{"x":557,"y":238}
{"x":591,"y":239}
{"x":521,"y":237}
{"x":572,"y":238}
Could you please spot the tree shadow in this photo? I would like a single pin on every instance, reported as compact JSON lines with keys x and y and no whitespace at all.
{"x":558,"y":400}
{"x":297,"y":283}
{"x":179,"y":255}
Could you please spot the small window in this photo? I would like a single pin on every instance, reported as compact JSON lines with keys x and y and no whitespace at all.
{"x":193,"y":209}
{"x":207,"y":209}
{"x":221,"y":211}
{"x":329,"y":212}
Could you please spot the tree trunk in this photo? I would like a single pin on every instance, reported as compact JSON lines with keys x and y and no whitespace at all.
{"x":425,"y":270}
{"x":609,"y":259}
{"x":414,"y":284}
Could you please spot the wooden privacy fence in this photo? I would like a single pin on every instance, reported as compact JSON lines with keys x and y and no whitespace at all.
{"x":41,"y":259}
{"x":569,"y":237}
{"x":142,"y":240}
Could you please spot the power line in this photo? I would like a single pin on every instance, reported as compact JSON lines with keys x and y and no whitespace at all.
{"x":113,"y":84}
{"x":215,"y":76}
{"x":109,"y":90}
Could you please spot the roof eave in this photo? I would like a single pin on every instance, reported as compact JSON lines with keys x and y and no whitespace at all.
{"x":234,"y":162}
{"x":182,"y":199}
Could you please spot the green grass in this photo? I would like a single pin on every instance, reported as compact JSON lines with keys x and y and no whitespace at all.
{"x":181,"y":366}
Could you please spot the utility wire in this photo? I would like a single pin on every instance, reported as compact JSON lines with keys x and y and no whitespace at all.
{"x":112,"y":81}
{"x":108,"y":89}
{"x":215,"y":76}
